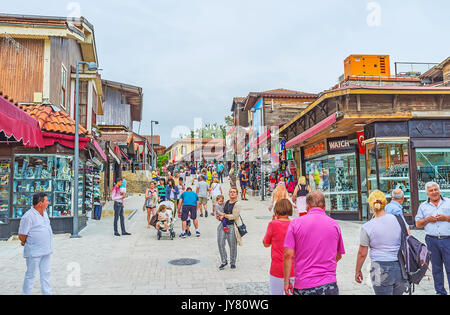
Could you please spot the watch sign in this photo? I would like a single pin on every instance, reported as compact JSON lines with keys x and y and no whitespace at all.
{"x":339,"y":145}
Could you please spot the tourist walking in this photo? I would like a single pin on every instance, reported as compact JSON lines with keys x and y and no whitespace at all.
{"x":244,"y":184}
{"x":383,"y":235}
{"x":232,"y":213}
{"x":315,"y":242}
{"x":162,"y":189}
{"x":220,"y":170}
{"x":118,"y":197}
{"x":275,"y":237}
{"x":434,"y":216}
{"x":299,"y":196}
{"x":215,"y":191}
{"x":278,"y":194}
{"x":202,"y":192}
{"x":232,"y":177}
{"x":151,"y":201}
{"x":172,"y":193}
{"x":187,"y":208}
{"x":35,"y":235}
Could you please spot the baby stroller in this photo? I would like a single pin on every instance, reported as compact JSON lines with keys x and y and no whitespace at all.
{"x":162,"y":232}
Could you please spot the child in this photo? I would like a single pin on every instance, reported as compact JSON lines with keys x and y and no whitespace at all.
{"x":97,"y":209}
{"x":218,"y":208}
{"x":163,"y":218}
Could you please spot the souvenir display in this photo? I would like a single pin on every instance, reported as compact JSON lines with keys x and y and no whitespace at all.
{"x":92,"y":173}
{"x":5,"y":173}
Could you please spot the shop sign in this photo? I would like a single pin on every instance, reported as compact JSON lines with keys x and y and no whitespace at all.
{"x":340,"y":145}
{"x":316,"y":150}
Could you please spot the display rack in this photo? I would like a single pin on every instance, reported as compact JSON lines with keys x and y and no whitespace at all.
{"x":5,"y":175}
{"x":92,"y":191}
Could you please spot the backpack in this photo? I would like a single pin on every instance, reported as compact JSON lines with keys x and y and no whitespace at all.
{"x":414,"y":257}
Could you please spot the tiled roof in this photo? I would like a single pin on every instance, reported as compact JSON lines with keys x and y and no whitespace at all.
{"x":52,"y":119}
{"x":283,"y":91}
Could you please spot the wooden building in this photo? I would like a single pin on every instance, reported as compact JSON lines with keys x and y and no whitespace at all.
{"x":329,"y":137}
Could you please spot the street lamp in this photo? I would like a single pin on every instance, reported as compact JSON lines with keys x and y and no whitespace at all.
{"x":153,"y":158}
{"x":92,"y":66}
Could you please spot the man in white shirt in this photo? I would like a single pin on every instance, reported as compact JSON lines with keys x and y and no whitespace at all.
{"x":35,"y":234}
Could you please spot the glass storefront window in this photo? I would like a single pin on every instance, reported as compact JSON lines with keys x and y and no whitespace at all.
{"x":433,"y":165}
{"x":5,"y":180}
{"x":336,"y":177}
{"x":393,"y":164}
{"x":51,"y":174}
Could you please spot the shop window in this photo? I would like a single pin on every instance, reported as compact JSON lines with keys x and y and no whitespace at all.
{"x":63,"y":86}
{"x":5,"y":183}
{"x":393,"y":165}
{"x":336,"y":177}
{"x":83,"y":103}
{"x":433,"y":165}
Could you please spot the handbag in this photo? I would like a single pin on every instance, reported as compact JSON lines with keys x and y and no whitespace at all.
{"x":154,"y":220}
{"x":243,"y":228}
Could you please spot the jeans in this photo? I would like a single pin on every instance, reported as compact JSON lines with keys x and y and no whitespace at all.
{"x":97,"y":212}
{"x":387,"y":278}
{"x":440,"y":257}
{"x":33,"y":263}
{"x":118,"y":213}
{"x":221,"y":177}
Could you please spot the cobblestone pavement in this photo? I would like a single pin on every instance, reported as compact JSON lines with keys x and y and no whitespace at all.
{"x":99,"y":263}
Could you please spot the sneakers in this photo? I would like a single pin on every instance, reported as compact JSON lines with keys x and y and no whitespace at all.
{"x":183,"y":235}
{"x":206,"y":214}
{"x":126,"y":234}
{"x":222,"y":266}
{"x":197,"y":233}
{"x":116,"y":234}
{"x":233,"y":266}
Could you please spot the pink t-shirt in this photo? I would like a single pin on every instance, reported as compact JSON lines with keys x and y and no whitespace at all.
{"x":316,"y":240}
{"x":275,"y":236}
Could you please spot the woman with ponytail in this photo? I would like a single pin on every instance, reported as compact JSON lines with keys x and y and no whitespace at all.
{"x":382,"y":235}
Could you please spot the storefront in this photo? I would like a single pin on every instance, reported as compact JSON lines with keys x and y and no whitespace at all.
{"x":333,"y":167}
{"x":26,"y":171}
{"x":419,"y":153}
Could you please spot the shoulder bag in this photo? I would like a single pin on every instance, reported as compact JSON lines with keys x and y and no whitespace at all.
{"x":242,"y":228}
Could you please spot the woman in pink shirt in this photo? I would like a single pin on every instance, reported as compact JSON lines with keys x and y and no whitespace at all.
{"x":275,"y":236}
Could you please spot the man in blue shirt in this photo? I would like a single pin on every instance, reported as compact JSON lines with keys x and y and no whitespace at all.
{"x":35,"y":234}
{"x":395,"y":207}
{"x":434,"y":216}
{"x":188,"y":203}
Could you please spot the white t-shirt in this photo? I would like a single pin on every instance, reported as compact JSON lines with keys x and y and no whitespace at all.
{"x":383,"y":236}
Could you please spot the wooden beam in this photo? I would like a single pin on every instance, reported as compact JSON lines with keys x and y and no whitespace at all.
{"x":358,"y":102}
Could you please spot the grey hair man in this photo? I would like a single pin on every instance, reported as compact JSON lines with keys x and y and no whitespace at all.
{"x":434,"y":216}
{"x":395,"y":207}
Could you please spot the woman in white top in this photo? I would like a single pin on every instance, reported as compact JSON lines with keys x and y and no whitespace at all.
{"x":215,"y":190}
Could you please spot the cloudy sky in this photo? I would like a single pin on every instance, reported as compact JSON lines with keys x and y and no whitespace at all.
{"x":192,"y":57}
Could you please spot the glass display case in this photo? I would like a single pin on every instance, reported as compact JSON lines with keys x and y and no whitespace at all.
{"x":5,"y":180}
{"x":392,"y":160}
{"x":433,"y":165}
{"x":51,"y":174}
{"x":337,"y":177}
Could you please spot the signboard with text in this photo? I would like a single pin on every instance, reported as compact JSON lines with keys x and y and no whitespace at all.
{"x":315,"y":150}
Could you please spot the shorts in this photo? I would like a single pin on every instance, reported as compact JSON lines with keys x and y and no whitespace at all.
{"x":188,"y":210}
{"x":203,"y":200}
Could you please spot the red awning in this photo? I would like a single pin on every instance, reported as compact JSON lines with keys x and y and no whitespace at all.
{"x":99,"y":149}
{"x":327,"y":122}
{"x":124,"y":155}
{"x":14,"y":122}
{"x":64,"y":140}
